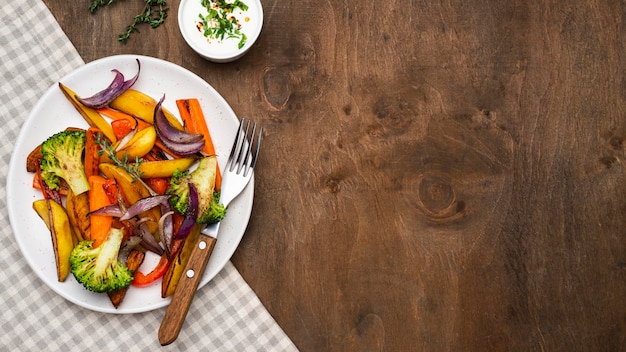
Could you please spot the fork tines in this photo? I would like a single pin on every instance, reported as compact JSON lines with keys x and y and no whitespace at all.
{"x":245,"y":150}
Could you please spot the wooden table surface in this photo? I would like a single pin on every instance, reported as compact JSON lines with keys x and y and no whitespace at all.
{"x":435,"y":176}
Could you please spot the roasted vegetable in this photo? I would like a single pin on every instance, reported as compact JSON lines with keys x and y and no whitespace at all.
{"x":181,"y":250}
{"x":141,"y":105}
{"x":203,"y":178}
{"x":107,"y":95}
{"x":77,"y":207}
{"x":98,"y":198}
{"x":133,"y":191}
{"x":193,"y":119}
{"x":93,"y":118}
{"x":98,"y":269}
{"x":92,"y":155}
{"x":62,"y":159}
{"x":134,"y":261}
{"x":143,"y":280}
{"x":55,"y":218}
{"x":181,"y":142}
{"x":139,"y":145}
{"x":164,"y":168}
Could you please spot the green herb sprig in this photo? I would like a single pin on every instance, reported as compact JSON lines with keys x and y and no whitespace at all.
{"x":154,"y":13}
{"x":96,"y":4}
{"x":131,"y":167}
{"x":219,"y":24}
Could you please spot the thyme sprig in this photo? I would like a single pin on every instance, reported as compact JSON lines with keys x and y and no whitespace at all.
{"x":96,"y":4}
{"x":131,"y":167}
{"x":154,"y":13}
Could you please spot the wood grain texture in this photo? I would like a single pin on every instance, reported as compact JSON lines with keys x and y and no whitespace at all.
{"x":435,"y":176}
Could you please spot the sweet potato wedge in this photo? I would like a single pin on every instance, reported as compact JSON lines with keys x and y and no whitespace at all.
{"x":135,"y":259}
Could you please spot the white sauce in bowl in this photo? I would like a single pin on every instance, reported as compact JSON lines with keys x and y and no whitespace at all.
{"x":251,"y":22}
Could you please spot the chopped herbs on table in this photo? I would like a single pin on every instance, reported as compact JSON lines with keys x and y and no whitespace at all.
{"x":154,"y":13}
{"x":219,"y":24}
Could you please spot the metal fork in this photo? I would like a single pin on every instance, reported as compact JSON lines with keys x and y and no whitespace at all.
{"x":235,"y":177}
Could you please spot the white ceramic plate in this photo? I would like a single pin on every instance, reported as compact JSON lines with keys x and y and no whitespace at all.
{"x":53,"y":113}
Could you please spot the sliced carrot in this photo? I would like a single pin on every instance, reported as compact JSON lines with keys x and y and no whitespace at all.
{"x":117,"y":115}
{"x":114,"y":114}
{"x":193,"y":119}
{"x":98,"y":198}
{"x":92,"y":158}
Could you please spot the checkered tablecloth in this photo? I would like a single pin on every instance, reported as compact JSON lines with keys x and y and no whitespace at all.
{"x":35,"y":53}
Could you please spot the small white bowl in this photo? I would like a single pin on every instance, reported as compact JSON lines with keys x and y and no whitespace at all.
{"x":213,"y":49}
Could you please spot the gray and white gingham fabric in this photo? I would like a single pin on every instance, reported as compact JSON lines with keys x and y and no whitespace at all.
{"x":34,"y":53}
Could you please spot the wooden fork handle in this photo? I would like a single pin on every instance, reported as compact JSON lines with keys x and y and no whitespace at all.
{"x":185,"y":290}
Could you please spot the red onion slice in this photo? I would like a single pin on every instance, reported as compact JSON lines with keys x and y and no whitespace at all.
{"x":166,"y":230}
{"x":127,"y":246}
{"x":143,"y":205}
{"x":147,"y":239}
{"x":169,"y":132}
{"x":114,"y":90}
{"x":178,"y":141}
{"x":184,"y":149}
{"x":108,"y":210}
{"x":192,"y":211}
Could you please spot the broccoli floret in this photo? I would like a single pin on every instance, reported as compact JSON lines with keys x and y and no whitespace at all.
{"x":214,"y":213}
{"x":63,"y":159}
{"x":178,"y":188}
{"x":203,"y":178}
{"x":98,"y":269}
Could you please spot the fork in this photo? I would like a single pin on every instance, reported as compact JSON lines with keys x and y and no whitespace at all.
{"x":235,"y":177}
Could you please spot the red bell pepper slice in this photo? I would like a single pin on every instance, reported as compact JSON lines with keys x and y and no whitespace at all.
{"x":142,"y":280}
{"x":158,"y":184}
{"x":121,"y":128}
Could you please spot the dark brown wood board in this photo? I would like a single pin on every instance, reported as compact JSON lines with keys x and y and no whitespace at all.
{"x":435,"y":176}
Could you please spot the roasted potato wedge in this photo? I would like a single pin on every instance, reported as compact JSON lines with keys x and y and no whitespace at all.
{"x":141,"y":105}
{"x":164,"y":168}
{"x":92,"y":116}
{"x":138,"y":146}
{"x":63,"y":240}
{"x":180,"y":255}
